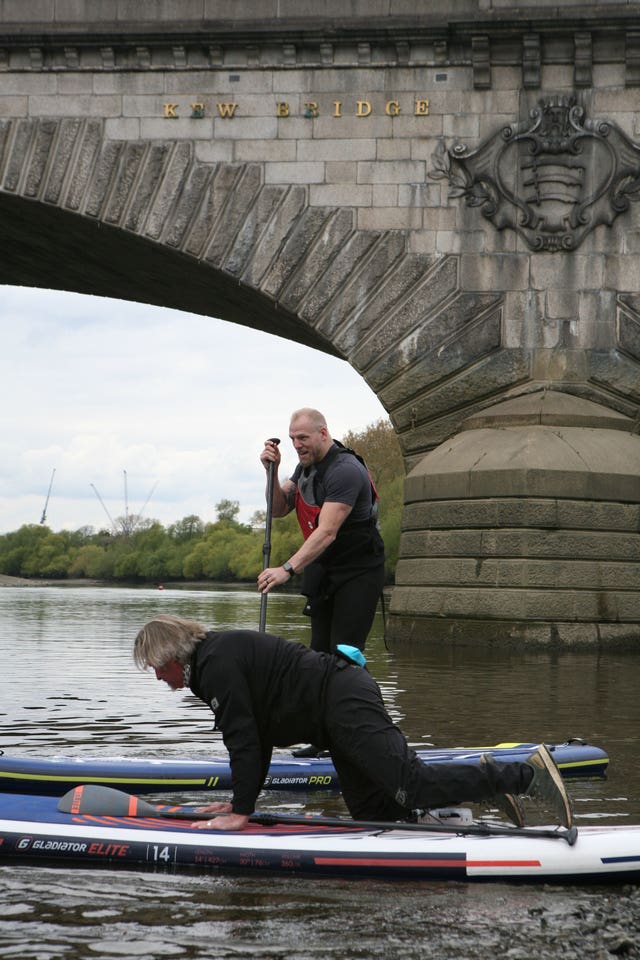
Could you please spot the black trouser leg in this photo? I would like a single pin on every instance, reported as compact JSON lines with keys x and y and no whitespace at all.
{"x":442,"y":784}
{"x":381,"y":777}
{"x":354,"y":607}
{"x":346,"y":614}
{"x":322,"y":610}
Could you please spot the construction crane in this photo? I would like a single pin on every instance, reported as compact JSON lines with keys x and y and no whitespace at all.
{"x":111,"y":521}
{"x":43,"y":518}
{"x":151,"y":492}
{"x":127,"y":523}
{"x":127,"y":526}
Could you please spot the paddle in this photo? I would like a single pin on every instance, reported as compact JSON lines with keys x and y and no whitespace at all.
{"x":266,"y":548}
{"x":100,"y":801}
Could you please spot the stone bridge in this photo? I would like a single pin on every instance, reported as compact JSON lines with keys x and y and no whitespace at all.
{"x":446,"y":200}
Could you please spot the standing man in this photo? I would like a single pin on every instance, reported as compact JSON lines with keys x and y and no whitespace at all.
{"x":342,"y":557}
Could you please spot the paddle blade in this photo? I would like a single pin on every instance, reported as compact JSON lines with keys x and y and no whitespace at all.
{"x":100,"y":801}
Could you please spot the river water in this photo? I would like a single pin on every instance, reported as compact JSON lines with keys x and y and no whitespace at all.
{"x":68,"y":686}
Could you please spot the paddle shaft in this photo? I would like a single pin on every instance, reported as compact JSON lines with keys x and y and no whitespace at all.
{"x":479,"y":829}
{"x":266,"y":548}
{"x":106,"y":801}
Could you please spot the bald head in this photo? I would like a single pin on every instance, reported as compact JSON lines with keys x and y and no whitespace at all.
{"x":313,"y":417}
{"x":310,"y":436}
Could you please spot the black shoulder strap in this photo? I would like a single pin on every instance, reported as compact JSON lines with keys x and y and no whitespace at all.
{"x":327,"y":460}
{"x":335,"y":451}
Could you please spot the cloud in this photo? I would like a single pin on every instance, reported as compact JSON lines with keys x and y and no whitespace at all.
{"x":92,"y":388}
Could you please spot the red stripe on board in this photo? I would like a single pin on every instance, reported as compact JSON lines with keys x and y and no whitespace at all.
{"x":383,"y":861}
{"x":141,"y":823}
{"x":133,"y":806}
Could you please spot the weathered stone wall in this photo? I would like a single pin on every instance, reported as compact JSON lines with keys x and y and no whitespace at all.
{"x":525,"y":528}
{"x":362,"y":182}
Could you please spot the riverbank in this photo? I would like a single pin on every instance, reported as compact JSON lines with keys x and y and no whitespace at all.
{"x":6,"y":581}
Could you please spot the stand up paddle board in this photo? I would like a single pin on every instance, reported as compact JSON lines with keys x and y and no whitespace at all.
{"x":53,"y":776}
{"x":33,"y":830}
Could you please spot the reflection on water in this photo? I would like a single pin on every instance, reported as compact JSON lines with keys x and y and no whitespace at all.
{"x":80,"y":914}
{"x":68,"y":686}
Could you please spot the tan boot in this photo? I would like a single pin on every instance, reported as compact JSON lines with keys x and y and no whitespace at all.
{"x":547,"y":787}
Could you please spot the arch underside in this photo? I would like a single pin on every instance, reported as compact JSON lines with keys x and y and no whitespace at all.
{"x":44,"y":246}
{"x":149,"y":222}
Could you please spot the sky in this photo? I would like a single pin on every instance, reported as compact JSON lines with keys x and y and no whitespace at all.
{"x":170,"y":408}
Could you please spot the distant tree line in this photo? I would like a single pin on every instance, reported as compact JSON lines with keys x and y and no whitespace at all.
{"x":191,"y":550}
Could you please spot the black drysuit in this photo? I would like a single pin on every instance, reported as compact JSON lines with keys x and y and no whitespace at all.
{"x":268,"y":692}
{"x":343,"y":585}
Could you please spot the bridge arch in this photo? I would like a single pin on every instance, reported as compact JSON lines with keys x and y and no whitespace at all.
{"x":156,"y":225}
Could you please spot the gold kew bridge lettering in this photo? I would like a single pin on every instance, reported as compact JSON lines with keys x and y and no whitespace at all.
{"x":311,"y":109}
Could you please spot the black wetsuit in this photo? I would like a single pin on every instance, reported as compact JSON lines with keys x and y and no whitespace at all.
{"x":344,"y":584}
{"x":268,"y":692}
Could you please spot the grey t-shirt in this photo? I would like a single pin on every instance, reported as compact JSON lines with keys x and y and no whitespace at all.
{"x":343,"y":480}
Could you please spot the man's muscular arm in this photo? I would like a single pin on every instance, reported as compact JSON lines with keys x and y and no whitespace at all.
{"x":330,"y":519}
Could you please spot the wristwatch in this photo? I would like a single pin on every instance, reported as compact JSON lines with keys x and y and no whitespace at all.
{"x":287,"y":566}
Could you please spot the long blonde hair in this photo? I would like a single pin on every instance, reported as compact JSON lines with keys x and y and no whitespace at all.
{"x":167,"y":637}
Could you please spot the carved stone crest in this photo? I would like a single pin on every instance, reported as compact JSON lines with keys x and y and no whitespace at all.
{"x":552,"y":178}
